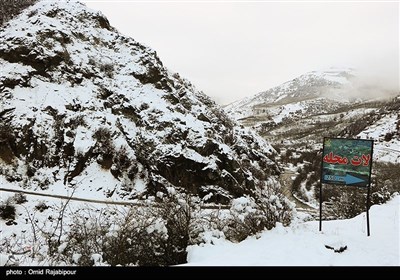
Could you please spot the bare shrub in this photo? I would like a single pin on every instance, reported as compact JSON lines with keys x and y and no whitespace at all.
{"x":108,"y":69}
{"x":41,"y":206}
{"x":78,"y":121}
{"x":103,"y":135}
{"x":123,"y":162}
{"x":19,"y":198}
{"x":245,"y":220}
{"x":178,"y":213}
{"x":347,"y":201}
{"x":85,"y":237}
{"x":249,"y":215}
{"x":154,"y":235}
{"x":7,"y":210}
{"x":104,"y":146}
{"x":6,"y":132}
{"x":138,"y":239}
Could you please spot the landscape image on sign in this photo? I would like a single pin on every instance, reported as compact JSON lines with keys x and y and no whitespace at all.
{"x":346,"y":161}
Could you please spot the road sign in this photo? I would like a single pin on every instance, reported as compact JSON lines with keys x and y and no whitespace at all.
{"x":347,"y":161}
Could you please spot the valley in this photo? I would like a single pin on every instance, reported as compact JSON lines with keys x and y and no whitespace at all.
{"x":296,"y":116}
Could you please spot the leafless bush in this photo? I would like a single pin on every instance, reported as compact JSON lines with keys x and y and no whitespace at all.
{"x":138,"y":239}
{"x":7,"y":210}
{"x":108,"y":69}
{"x":347,"y":201}
{"x":6,"y":132}
{"x":85,"y":237}
{"x":249,"y":215}
{"x":19,"y":198}
{"x":104,"y":146}
{"x":78,"y":121}
{"x":178,"y":213}
{"x":103,"y":135}
{"x":122,"y":162}
{"x":41,"y":206}
{"x":156,"y":235}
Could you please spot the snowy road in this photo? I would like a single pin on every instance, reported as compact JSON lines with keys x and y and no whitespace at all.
{"x":286,"y":179}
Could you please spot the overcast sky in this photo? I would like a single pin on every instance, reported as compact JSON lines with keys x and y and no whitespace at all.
{"x":231,"y":50}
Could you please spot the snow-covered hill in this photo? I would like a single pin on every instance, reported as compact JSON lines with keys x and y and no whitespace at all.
{"x":308,"y":93}
{"x":310,"y":107}
{"x":302,"y":244}
{"x":85,"y":107}
{"x":386,"y":133}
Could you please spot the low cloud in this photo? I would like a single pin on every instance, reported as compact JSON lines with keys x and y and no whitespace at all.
{"x":375,"y":81}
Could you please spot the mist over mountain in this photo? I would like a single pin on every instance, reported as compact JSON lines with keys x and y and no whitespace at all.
{"x":324,"y":90}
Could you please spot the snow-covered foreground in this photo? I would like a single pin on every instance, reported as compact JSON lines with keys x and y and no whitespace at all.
{"x":302,"y":244}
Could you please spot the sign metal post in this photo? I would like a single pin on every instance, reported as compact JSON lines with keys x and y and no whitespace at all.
{"x":320,"y":206}
{"x":368,"y":194}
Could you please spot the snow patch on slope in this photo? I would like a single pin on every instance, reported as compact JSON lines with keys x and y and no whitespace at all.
{"x":387,"y":151}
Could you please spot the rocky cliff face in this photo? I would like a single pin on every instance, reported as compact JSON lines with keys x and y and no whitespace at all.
{"x":84,"y":106}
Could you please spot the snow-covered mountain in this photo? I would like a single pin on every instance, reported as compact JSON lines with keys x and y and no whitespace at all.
{"x":316,"y":90}
{"x":310,"y":107}
{"x":85,"y":107}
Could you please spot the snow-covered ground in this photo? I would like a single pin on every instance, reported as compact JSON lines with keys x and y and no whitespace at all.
{"x":302,"y":244}
{"x":387,"y":151}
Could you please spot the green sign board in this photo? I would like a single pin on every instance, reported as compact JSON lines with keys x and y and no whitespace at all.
{"x":347,"y":161}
